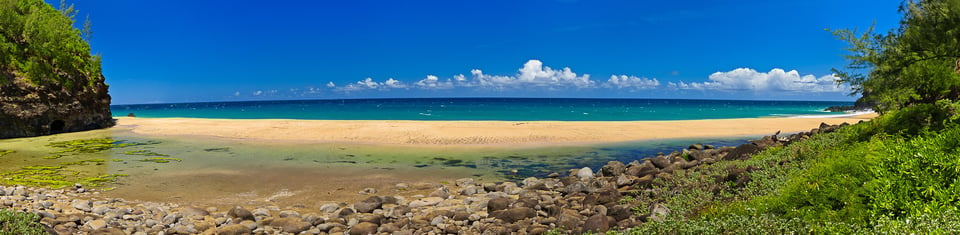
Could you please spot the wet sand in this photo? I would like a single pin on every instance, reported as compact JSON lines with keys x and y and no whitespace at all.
{"x":471,"y":132}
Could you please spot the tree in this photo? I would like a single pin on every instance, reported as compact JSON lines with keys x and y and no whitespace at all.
{"x":917,"y":63}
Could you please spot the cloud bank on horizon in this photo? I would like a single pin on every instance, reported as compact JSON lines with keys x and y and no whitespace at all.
{"x":535,"y":76}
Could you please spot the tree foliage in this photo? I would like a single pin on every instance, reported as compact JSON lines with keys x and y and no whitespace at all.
{"x":40,"y":43}
{"x":916,"y":63}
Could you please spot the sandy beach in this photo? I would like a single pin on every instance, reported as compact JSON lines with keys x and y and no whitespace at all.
{"x":471,"y":132}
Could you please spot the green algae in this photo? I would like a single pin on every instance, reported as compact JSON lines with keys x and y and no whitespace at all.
{"x":49,"y":176}
{"x":94,"y":145}
{"x":53,"y":177}
{"x":145,"y":153}
{"x":160,"y":159}
{"x":5,"y":152}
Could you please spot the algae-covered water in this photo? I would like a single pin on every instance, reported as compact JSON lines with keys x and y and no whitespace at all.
{"x":189,"y":169}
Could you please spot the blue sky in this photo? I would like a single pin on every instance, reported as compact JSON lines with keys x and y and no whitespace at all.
{"x":194,"y":51}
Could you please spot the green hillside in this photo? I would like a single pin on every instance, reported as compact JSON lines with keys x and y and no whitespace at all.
{"x":39,"y":42}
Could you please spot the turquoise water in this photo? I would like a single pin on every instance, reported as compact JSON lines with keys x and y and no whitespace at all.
{"x":507,"y":109}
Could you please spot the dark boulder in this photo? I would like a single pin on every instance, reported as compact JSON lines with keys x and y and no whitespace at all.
{"x":514,"y":214}
{"x":369,"y":204}
{"x":744,"y":151}
{"x":642,"y":169}
{"x":290,"y":225}
{"x":697,"y":146}
{"x":613,"y":168}
{"x":239,"y":212}
{"x":597,"y":223}
{"x":364,"y":228}
{"x":660,"y":162}
{"x":499,"y":203}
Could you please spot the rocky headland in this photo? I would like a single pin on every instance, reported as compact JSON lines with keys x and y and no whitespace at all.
{"x":617,"y":196}
{"x":49,"y":81}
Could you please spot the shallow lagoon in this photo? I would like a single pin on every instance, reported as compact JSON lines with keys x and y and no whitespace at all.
{"x":214,"y":171}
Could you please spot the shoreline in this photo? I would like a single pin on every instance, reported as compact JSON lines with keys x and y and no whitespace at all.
{"x":584,"y":200}
{"x":472,"y":133}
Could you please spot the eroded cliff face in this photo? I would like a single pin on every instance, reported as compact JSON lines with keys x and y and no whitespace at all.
{"x":27,"y":109}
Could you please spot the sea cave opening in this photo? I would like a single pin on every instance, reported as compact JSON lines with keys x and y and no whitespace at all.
{"x":57,"y":126}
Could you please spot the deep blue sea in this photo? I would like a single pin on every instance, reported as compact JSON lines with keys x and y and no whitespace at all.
{"x":506,"y":109}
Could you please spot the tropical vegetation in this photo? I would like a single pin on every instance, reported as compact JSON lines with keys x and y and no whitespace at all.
{"x":41,"y":44}
{"x":896,"y":174}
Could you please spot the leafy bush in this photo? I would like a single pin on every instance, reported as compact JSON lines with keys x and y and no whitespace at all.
{"x":41,"y":44}
{"x":20,"y":223}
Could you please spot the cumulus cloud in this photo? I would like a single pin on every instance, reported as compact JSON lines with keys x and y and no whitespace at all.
{"x":775,"y":80}
{"x":631,"y":82}
{"x":535,"y":76}
{"x":532,"y":75}
{"x":365,"y":84}
{"x":393,"y":83}
{"x":432,"y":82}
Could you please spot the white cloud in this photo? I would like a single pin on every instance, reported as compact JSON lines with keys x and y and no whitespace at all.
{"x":393,"y":83}
{"x":534,"y":73}
{"x":256,"y":93}
{"x":432,"y":82}
{"x":631,"y":83}
{"x":775,"y":80}
{"x":365,"y":84}
{"x":535,"y":76}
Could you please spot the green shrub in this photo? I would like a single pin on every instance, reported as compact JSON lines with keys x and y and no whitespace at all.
{"x":20,"y":223}
{"x":40,"y":43}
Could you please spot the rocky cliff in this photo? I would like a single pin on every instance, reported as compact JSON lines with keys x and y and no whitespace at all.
{"x":32,"y":110}
{"x":49,"y":81}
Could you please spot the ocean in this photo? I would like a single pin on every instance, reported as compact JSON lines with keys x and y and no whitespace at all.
{"x":505,"y":109}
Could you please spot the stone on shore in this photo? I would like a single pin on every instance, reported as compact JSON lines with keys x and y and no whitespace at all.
{"x":290,"y":225}
{"x":234,"y":229}
{"x":585,"y":173}
{"x":364,"y":228}
{"x":427,"y":201}
{"x":368,"y":205}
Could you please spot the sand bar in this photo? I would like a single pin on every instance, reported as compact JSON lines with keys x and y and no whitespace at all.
{"x":396,"y":132}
